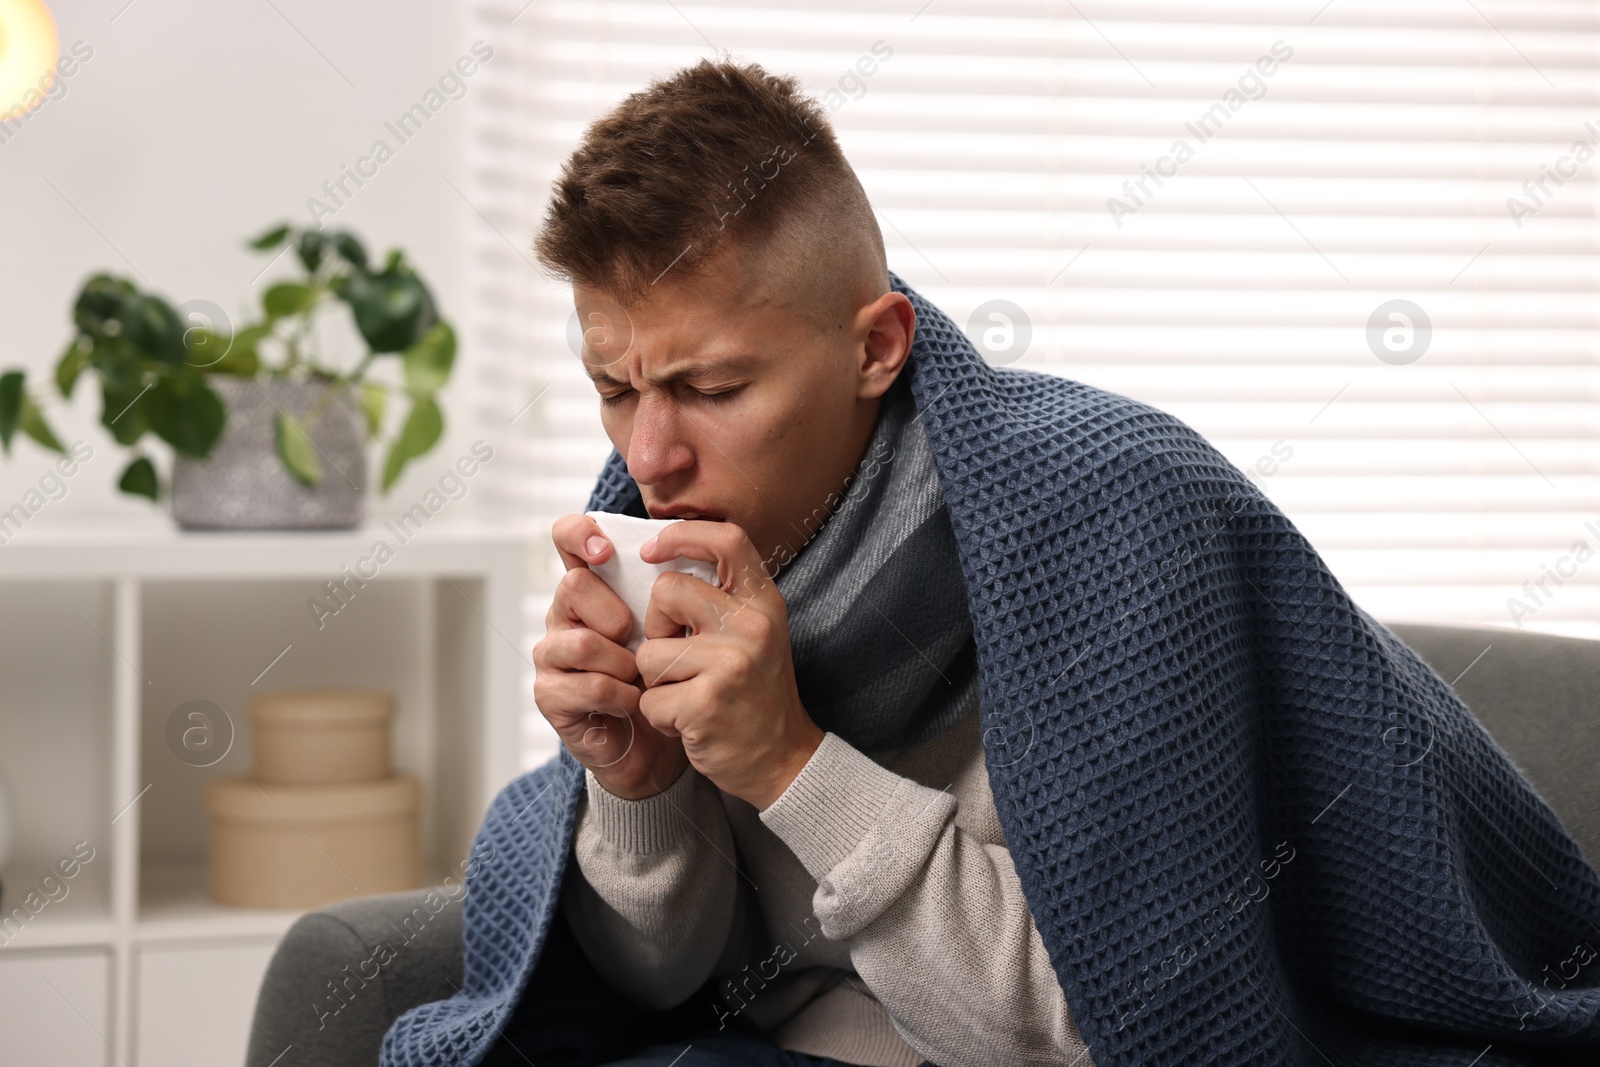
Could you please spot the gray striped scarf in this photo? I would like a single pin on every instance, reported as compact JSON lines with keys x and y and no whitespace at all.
{"x":878,"y":622}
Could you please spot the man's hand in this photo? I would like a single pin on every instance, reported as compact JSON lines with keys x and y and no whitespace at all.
{"x":726,"y":690}
{"x":586,"y":681}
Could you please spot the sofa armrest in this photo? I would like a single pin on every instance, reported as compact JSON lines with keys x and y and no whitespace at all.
{"x":343,"y":973}
{"x":1538,"y":695}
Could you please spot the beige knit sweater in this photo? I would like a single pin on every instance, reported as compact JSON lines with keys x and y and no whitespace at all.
{"x":871,"y":913}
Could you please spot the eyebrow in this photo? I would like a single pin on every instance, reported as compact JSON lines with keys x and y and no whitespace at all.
{"x":687,"y":370}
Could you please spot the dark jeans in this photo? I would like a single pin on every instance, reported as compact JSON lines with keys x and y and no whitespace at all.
{"x":724,"y":1050}
{"x":566,"y":1017}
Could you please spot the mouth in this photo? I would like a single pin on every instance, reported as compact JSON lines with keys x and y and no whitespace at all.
{"x":684,"y":513}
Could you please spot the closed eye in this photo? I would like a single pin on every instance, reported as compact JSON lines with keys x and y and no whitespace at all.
{"x":717,"y":398}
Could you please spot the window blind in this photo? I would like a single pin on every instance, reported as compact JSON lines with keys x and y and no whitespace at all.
{"x":1352,"y":243}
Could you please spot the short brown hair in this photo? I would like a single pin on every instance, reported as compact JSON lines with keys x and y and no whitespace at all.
{"x":718,"y":151}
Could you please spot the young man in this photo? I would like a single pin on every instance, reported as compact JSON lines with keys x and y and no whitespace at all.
{"x":1014,"y":704}
{"x":754,"y":387}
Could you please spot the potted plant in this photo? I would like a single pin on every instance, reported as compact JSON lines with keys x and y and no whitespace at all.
{"x":264,"y":434}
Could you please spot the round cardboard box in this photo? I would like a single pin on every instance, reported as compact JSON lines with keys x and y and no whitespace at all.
{"x":320,"y":736}
{"x":303,"y":846}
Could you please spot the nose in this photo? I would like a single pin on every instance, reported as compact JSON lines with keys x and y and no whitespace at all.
{"x":657,"y":447}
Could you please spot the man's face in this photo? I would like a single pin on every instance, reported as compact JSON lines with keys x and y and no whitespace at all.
{"x":730,"y":402}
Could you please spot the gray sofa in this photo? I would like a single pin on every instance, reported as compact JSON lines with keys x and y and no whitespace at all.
{"x":1538,"y":696}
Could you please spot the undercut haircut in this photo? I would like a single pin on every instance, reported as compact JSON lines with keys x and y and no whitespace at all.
{"x":717,"y":154}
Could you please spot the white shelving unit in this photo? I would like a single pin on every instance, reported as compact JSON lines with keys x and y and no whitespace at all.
{"x":103,"y":634}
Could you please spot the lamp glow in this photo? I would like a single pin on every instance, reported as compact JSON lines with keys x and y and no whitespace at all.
{"x":29,"y":48}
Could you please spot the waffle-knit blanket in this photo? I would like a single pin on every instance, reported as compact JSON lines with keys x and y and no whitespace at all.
{"x":1252,"y":826}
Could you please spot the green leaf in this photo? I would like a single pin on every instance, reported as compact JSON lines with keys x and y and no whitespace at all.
{"x":154,"y":328}
{"x":393,"y":465}
{"x":287,"y":298}
{"x":350,"y":250}
{"x":428,"y":362}
{"x":101,"y":300}
{"x":71,"y":364}
{"x":242,"y":357}
{"x":117,"y":358}
{"x":185,"y":413}
{"x":271,"y":238}
{"x":430,"y":313}
{"x":420,"y":433}
{"x":32,"y":423}
{"x":140,"y":479}
{"x":206,"y":347}
{"x":423,"y":426}
{"x":388,"y":309}
{"x":312,"y":245}
{"x":10,"y":407}
{"x":373,"y":399}
{"x":125,"y":407}
{"x":298,"y":454}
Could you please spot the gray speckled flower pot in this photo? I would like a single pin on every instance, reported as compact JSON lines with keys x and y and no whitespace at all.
{"x":243,"y":484}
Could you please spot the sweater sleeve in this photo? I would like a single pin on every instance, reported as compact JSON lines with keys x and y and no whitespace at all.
{"x":654,"y":892}
{"x":936,"y":922}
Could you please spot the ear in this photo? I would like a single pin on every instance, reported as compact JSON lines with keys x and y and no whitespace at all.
{"x":890,"y":324}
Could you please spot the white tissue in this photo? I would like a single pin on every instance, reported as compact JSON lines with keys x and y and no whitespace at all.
{"x":631,"y":577}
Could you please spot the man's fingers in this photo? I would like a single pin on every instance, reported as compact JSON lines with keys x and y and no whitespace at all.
{"x":673,"y":659}
{"x":667,"y":710}
{"x":573,"y":695}
{"x":606,"y":740}
{"x":584,"y":599}
{"x":726,"y":544}
{"x":678,"y":600}
{"x":580,"y":541}
{"x":586,"y":650}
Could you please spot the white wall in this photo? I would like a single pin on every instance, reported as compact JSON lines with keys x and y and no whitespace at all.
{"x":191,"y":128}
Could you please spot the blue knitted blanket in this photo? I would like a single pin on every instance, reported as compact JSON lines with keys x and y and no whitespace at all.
{"x":1252,"y":826}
